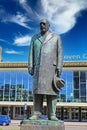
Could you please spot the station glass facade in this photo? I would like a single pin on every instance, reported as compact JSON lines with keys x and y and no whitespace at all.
{"x":16,"y":85}
{"x":75,"y":89}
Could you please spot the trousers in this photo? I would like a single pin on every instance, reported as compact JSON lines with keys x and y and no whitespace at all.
{"x":51,"y":104}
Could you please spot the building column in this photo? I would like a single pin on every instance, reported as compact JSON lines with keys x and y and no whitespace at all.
{"x":62,"y":113}
{"x":31,"y":110}
{"x":70,"y":114}
{"x":80,"y":114}
{"x":13,"y":112}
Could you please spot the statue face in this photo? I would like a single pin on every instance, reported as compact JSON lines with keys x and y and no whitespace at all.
{"x":44,"y":26}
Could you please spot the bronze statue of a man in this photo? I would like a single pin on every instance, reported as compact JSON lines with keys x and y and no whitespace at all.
{"x":45,"y":59}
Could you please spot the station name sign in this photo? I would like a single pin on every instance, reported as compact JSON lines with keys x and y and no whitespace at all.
{"x":76,"y":57}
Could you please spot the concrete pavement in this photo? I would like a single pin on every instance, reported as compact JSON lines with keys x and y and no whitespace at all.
{"x":15,"y":125}
{"x":75,"y":125}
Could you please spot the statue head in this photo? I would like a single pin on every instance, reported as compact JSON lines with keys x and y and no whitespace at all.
{"x":44,"y":26}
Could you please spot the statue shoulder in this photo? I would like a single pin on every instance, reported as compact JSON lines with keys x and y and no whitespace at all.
{"x":56,"y":35}
{"x":35,"y":36}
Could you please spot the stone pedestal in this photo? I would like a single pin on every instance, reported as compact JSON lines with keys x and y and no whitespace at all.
{"x":42,"y":125}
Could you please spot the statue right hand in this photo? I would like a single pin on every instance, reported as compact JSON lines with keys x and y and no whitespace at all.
{"x":30,"y":70}
{"x":58,"y":72}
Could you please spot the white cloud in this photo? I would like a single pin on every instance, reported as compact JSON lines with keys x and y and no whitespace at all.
{"x":62,"y":13}
{"x":18,"y":19}
{"x":5,"y":41}
{"x":31,"y":12}
{"x":22,"y":1}
{"x":26,"y":7}
{"x":22,"y":41}
{"x":13,"y":52}
{"x":2,"y":40}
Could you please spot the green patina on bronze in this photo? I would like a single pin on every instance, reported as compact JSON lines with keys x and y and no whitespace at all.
{"x":44,"y":122}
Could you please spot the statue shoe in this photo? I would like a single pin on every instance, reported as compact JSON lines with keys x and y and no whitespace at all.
{"x":34,"y":117}
{"x":53,"y":118}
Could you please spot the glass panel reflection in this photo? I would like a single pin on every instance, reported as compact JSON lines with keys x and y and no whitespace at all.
{"x":1,"y":79}
{"x":83,"y":90}
{"x":82,"y":76}
{"x":19,"y":85}
{"x":1,"y":85}
{"x":7,"y":79}
{"x":15,"y":85}
{"x":66,"y":93}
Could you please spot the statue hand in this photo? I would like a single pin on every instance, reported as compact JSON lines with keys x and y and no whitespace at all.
{"x":58,"y":72}
{"x":30,"y":70}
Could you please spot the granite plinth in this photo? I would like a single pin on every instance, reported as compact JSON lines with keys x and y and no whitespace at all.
{"x":42,"y":125}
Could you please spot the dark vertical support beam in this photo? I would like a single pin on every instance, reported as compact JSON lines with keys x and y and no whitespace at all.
{"x":80,"y":114}
{"x":62,"y":113}
{"x":11,"y":112}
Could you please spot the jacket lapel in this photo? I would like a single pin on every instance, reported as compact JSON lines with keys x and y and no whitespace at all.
{"x":48,"y":36}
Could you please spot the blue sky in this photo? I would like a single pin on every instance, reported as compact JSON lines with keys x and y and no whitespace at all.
{"x":19,"y":21}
